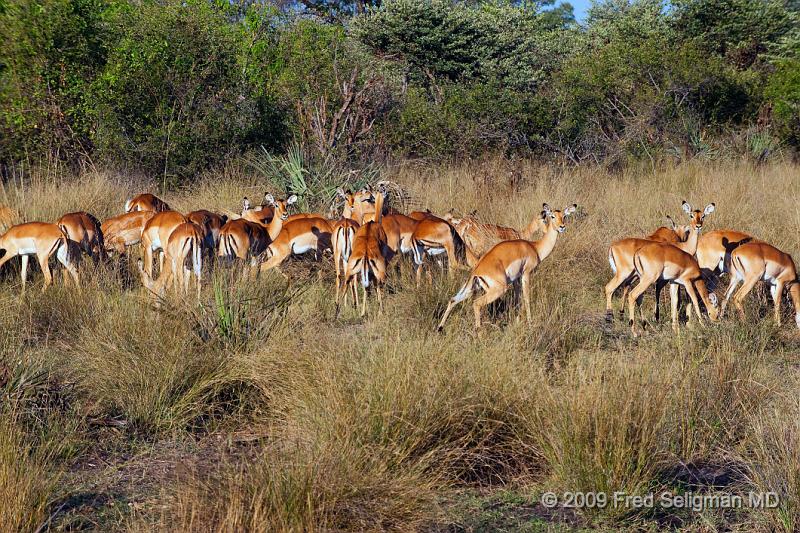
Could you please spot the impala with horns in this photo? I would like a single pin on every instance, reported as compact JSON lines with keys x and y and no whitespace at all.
{"x":758,"y":261}
{"x":658,"y":262}
{"x":622,"y":252}
{"x":509,"y":262}
{"x":85,"y":230}
{"x":43,"y":240}
{"x":125,"y":230}
{"x":368,"y":258}
{"x":146,"y":202}
{"x":183,"y":255}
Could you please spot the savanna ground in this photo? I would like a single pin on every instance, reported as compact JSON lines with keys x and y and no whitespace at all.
{"x":258,"y":409}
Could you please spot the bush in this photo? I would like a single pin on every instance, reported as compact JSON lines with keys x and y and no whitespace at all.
{"x":783,"y":92}
{"x":172,"y":99}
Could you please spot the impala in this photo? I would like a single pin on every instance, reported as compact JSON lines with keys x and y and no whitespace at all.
{"x":758,"y":261}
{"x":299,"y":237}
{"x":357,"y":205}
{"x":261,"y":215}
{"x":245,"y":239}
{"x":155,"y":234}
{"x":715,"y":248}
{"x":621,"y":253}
{"x":480,"y":237}
{"x":661,"y":262}
{"x":342,"y":238}
{"x":368,"y":257}
{"x":146,"y":202}
{"x":508,"y":262}
{"x":84,"y":229}
{"x":125,"y":230}
{"x":211,"y":224}
{"x":434,"y":236}
{"x":42,"y":240}
{"x":183,"y":254}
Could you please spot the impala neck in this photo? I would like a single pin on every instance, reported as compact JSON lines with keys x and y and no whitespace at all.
{"x":545,"y":245}
{"x":274,"y":227}
{"x":690,"y":245}
{"x":534,"y":226}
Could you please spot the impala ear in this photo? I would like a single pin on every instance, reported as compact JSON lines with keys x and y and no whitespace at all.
{"x":340,"y":192}
{"x":245,"y":204}
{"x":269,"y":199}
{"x":686,"y":207}
{"x":292,"y":199}
{"x":546,"y":209}
{"x":709,"y":209}
{"x":571,"y":209}
{"x":671,"y":222}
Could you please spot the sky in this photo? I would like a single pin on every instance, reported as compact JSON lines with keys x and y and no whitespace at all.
{"x":580,"y":7}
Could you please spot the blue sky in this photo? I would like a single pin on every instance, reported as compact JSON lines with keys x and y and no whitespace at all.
{"x":581,"y":7}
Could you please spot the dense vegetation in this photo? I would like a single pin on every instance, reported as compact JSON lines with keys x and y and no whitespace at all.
{"x":169,"y":88}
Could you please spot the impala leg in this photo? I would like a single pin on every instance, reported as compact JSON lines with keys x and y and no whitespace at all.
{"x":689,"y":286}
{"x":674,"y":304}
{"x":148,"y":259}
{"x":493,"y":292}
{"x":161,"y":259}
{"x":380,"y":298}
{"x":794,"y":294}
{"x":611,"y":288}
{"x":526,"y":296}
{"x":464,"y":293}
{"x":364,"y":308}
{"x":45,"y":266}
{"x":735,"y":279}
{"x":777,"y":293}
{"x":24,"y":272}
{"x":659,"y":287}
{"x":634,"y":297}
{"x":742,"y":293}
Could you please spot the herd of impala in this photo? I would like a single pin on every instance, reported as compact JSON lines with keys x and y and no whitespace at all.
{"x":369,"y":234}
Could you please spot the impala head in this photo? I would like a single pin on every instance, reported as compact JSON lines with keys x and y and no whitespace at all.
{"x":682,"y":231}
{"x":556,"y":218}
{"x":349,"y":202}
{"x":281,"y":207}
{"x":246,"y":205}
{"x":695,"y":215}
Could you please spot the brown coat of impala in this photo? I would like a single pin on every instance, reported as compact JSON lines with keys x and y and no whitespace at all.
{"x":479,"y":237}
{"x":715,"y":248}
{"x":508,"y":262}
{"x":125,"y":230}
{"x":211,"y":223}
{"x":84,"y":229}
{"x":183,"y":254}
{"x":621,"y":253}
{"x":758,"y":261}
{"x":146,"y":202}
{"x":7,"y":217}
{"x":299,"y":237}
{"x":659,"y":262}
{"x":368,"y":258}
{"x":342,"y":237}
{"x":247,"y":240}
{"x":435,"y":236}
{"x":42,"y":240}
{"x":155,"y":234}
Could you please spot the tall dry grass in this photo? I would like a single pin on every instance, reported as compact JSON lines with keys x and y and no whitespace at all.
{"x":376,"y":423}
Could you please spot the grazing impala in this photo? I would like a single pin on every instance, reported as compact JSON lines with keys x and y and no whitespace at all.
{"x":211,"y":224}
{"x":621,"y":253}
{"x":248,"y":240}
{"x":434,"y":236}
{"x":122,"y":231}
{"x":84,"y":229}
{"x":715,"y":248}
{"x":507,"y":262}
{"x":146,"y":202}
{"x":662,"y":262}
{"x":298,"y":237}
{"x":368,"y":258}
{"x":42,"y":240}
{"x":183,"y":255}
{"x":155,"y":234}
{"x":758,"y":261}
